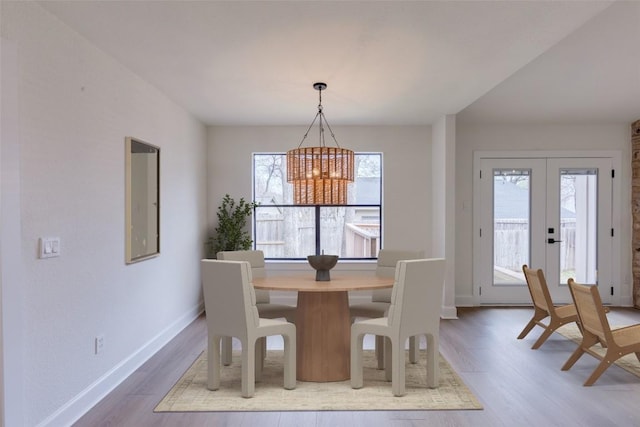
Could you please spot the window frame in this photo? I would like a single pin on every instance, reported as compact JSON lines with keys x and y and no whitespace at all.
{"x":317,"y":209}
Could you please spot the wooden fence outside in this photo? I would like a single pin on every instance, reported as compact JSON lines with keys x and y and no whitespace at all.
{"x":361,"y":240}
{"x":511,"y":244}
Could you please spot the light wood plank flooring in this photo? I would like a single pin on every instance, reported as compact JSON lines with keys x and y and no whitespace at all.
{"x":516,"y":385}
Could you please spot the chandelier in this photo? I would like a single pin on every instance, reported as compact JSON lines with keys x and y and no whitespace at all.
{"x":320,"y":174}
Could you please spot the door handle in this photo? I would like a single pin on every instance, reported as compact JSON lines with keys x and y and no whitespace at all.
{"x":552,"y":240}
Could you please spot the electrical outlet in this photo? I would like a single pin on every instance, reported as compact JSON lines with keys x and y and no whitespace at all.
{"x":99,"y":344}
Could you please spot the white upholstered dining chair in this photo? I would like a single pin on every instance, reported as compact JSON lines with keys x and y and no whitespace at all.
{"x":381,"y":298}
{"x":265,"y":307}
{"x":416,"y":302}
{"x":230,"y":304}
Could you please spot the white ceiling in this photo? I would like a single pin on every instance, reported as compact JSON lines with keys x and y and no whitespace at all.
{"x":385,"y":62}
{"x":593,"y":76}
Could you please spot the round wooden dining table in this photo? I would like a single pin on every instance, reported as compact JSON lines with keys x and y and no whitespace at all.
{"x":323,"y":322}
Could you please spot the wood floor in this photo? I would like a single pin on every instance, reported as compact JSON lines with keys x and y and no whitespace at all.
{"x":516,"y":385}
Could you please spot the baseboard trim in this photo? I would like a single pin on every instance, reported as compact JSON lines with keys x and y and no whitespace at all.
{"x":75,"y":408}
{"x":465,"y":301}
{"x":449,"y":312}
{"x":626,"y":301}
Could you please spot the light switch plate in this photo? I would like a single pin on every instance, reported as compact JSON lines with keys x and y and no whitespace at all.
{"x":49,"y":247}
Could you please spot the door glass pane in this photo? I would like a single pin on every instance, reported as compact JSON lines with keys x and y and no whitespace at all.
{"x":511,"y":225}
{"x":578,"y":225}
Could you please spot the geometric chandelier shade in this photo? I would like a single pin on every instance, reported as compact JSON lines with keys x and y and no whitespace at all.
{"x":320,"y":174}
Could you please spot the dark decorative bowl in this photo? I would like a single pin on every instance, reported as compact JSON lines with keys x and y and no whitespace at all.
{"x":322,"y":264}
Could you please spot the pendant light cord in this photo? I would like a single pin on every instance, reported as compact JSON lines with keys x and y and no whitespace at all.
{"x":321,"y":127}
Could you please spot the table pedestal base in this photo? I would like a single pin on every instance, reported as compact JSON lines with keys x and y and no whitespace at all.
{"x":323,"y":326}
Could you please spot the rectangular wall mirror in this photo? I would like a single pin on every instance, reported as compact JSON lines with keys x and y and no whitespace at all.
{"x":142,"y":200}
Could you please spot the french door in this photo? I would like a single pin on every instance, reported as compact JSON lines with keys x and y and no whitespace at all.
{"x":549,"y":213}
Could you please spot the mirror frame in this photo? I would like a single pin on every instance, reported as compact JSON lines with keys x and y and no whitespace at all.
{"x":135,"y":145}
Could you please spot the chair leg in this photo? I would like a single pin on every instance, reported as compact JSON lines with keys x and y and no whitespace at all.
{"x":545,"y":334}
{"x":588,"y":340}
{"x":397,"y":368}
{"x":248,"y":368}
{"x":264,"y":347}
{"x":259,"y":359}
{"x":213,"y":362}
{"x":604,"y":364}
{"x":388,"y":359}
{"x":356,"y":359}
{"x":414,"y":348}
{"x":577,"y":354}
{"x":380,"y":351}
{"x":227,"y":347}
{"x":538,"y":315}
{"x":289,"y":361}
{"x":433,"y":361}
{"x":527,"y":329}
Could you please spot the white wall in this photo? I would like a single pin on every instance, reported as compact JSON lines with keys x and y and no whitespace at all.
{"x":406,"y":171}
{"x":473,"y":137}
{"x":75,"y":107}
{"x":10,"y":246}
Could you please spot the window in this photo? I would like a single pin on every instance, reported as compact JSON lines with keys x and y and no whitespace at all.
{"x":287,"y":231}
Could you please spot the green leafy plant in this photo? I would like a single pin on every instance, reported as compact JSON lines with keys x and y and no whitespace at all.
{"x":230,"y":234}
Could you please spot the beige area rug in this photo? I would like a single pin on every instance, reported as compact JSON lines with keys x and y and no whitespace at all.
{"x":190,"y":393}
{"x":628,"y":362}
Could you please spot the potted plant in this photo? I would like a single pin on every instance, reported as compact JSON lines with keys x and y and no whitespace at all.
{"x":230,"y":234}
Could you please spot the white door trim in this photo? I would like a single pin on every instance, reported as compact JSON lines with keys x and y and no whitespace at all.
{"x":616,"y":161}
